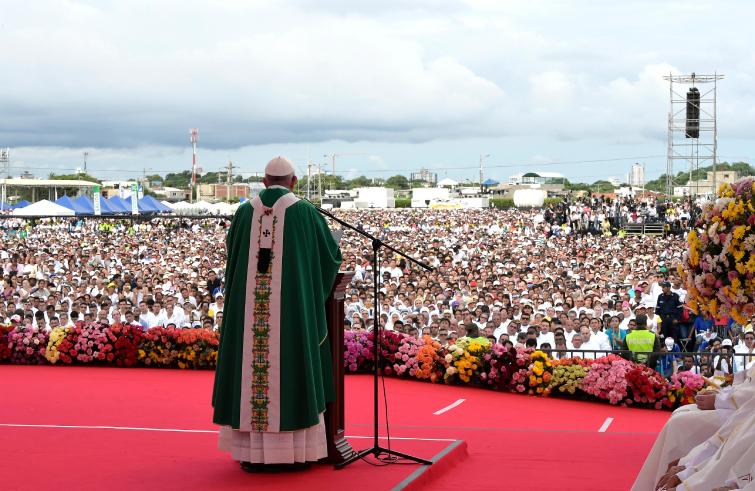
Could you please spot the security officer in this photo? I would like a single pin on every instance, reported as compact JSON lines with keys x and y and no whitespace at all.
{"x":669,"y":309}
{"x":640,"y":341}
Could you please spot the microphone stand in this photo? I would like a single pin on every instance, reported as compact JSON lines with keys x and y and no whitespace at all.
{"x":376,"y":450}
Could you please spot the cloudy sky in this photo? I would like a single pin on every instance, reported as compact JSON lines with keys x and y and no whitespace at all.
{"x":392,"y":86}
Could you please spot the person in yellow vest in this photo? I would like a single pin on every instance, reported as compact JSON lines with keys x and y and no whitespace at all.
{"x":641,"y":341}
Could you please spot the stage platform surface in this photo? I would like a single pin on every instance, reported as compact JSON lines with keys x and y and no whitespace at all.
{"x":95,"y":428}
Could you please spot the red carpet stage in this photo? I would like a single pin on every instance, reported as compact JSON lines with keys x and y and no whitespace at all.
{"x":115,"y":428}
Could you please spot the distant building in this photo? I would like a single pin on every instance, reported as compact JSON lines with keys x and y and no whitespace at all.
{"x":637,"y":175}
{"x":119,"y":188}
{"x":425,"y":176}
{"x":223,"y":192}
{"x":537,"y":178}
{"x":705,"y":186}
{"x":375,"y":197}
{"x":173,"y":195}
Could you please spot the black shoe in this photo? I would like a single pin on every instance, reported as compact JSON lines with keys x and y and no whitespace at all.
{"x":250,"y":467}
{"x":274,"y":468}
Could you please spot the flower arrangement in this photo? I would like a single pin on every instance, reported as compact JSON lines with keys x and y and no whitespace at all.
{"x":429,"y":362}
{"x":196,"y":348}
{"x":92,"y":343}
{"x":685,"y":385}
{"x":719,"y":266}
{"x":606,"y":379}
{"x":499,"y":365}
{"x":5,"y":351}
{"x":389,"y":342}
{"x":406,"y":356}
{"x":568,"y":374}
{"x":647,"y":387}
{"x":126,"y":340}
{"x":57,"y":336}
{"x":357,"y":350}
{"x":463,"y":359}
{"x":28,"y":345}
{"x":539,"y":373}
{"x":157,"y":348}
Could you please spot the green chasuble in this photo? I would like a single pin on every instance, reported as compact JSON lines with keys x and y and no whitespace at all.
{"x":310,"y":261}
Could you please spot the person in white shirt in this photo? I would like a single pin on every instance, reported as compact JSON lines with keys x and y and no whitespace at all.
{"x":569,"y":332}
{"x":173,"y":316}
{"x":588,"y":343}
{"x":145,"y":316}
{"x":748,"y":348}
{"x":654,"y":320}
{"x":155,"y":317}
{"x":545,"y":335}
{"x":678,"y":288}
{"x":219,"y":304}
{"x":628,"y":315}
{"x":598,"y":336}
{"x":576,"y":344}
{"x":503,"y":320}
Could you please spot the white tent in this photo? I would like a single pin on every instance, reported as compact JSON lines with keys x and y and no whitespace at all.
{"x":44,"y":208}
{"x":447,"y":182}
{"x":203,"y":205}
{"x":222,"y":208}
{"x":168,"y":204}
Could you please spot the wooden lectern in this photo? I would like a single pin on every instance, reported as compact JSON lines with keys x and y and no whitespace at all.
{"x":338,"y":448}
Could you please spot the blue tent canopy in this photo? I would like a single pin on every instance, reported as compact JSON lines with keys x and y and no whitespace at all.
{"x":5,"y":206}
{"x":87,"y":203}
{"x":489,"y":182}
{"x":155,"y":204}
{"x":118,"y":204}
{"x":142,"y":206}
{"x":21,"y":204}
{"x":72,"y":205}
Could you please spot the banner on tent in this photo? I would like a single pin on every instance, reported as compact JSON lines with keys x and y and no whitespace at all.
{"x":96,"y":196}
{"x":134,"y":199}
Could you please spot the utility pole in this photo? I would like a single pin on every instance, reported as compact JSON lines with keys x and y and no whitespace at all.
{"x":5,"y":161}
{"x":482,"y":157}
{"x":229,"y":179}
{"x":193,"y":134}
{"x":309,"y":179}
{"x":333,"y":159}
{"x":319,"y":182}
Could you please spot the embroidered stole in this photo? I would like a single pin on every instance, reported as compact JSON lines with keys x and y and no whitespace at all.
{"x":260,"y":383}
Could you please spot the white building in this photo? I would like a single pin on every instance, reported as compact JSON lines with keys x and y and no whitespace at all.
{"x":536,"y":178}
{"x":421,"y":197}
{"x":637,"y":175}
{"x":375,"y":198}
{"x":705,"y":186}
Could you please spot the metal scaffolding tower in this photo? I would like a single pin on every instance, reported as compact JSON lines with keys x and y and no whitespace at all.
{"x":692,"y":127}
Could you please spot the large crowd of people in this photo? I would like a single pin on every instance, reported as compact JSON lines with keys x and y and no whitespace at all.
{"x":528,"y":278}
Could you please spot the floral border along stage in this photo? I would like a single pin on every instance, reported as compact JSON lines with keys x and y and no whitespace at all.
{"x":471,"y":362}
{"x":476,"y":362}
{"x":719,"y":266}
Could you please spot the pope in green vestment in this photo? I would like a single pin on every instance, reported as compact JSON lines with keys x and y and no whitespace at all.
{"x":274,"y":340}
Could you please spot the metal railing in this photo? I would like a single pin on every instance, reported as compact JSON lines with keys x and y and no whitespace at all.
{"x":702,"y":360}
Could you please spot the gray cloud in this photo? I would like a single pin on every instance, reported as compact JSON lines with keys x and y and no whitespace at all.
{"x":118,"y":75}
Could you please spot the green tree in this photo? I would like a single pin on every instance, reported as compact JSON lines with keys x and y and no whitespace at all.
{"x":601,"y":187}
{"x":397,"y":182}
{"x":73,"y":177}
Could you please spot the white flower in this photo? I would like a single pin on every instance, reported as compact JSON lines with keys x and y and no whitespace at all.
{"x":449,"y":358}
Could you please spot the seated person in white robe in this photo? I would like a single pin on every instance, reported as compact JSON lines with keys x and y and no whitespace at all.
{"x":691,"y":425}
{"x":708,"y":465}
